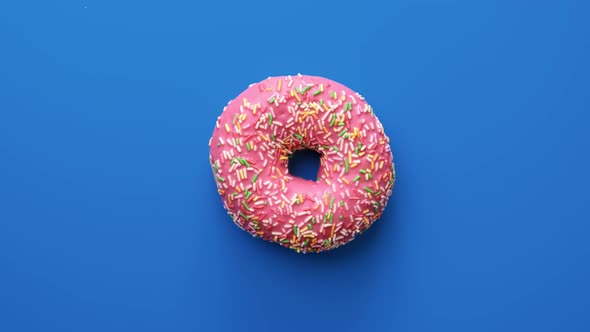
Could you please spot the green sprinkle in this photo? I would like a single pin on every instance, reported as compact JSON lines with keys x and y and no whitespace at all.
{"x":220,"y":178}
{"x":344,"y":131}
{"x":285,"y":241}
{"x":341,"y":217}
{"x":235,"y":117}
{"x":367,"y":189}
{"x":218,"y":144}
{"x":346,"y":165}
{"x":255,"y":177}
{"x":325,"y":218}
{"x":270,"y":118}
{"x":244,"y":216}
{"x":326,"y":147}
{"x":297,"y":89}
{"x":317,"y":92}
{"x":331,"y":216}
{"x":321,"y":102}
{"x":341,"y":203}
{"x":341,"y":124}
{"x":245,"y":205}
{"x":335,"y":148}
{"x":333,"y":94}
{"x":348,"y":106}
{"x":298,"y":136}
{"x":305,"y":89}
{"x":370,"y":175}
{"x":332,"y":202}
{"x":295,"y":230}
{"x":248,"y":146}
{"x":358,"y":177}
{"x":327,"y":242}
{"x":272,"y":100}
{"x":274,"y":138}
{"x":333,"y":120}
{"x":248,"y":193}
{"x":378,"y":193}
{"x":363,"y":171}
{"x":235,"y":194}
{"x":306,"y":242}
{"x":309,"y":226}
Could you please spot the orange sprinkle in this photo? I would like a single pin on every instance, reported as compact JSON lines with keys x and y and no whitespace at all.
{"x":300,"y":198}
{"x":333,"y":228}
{"x":326,"y":199}
{"x":297,"y":96}
{"x":326,"y":107}
{"x":238,"y":189}
{"x":345,"y":181}
{"x":349,"y":157}
{"x":326,"y":130}
{"x":264,"y":137}
{"x":279,"y":171}
{"x":279,"y":85}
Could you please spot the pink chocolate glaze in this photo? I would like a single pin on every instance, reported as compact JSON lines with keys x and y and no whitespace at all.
{"x":249,"y":151}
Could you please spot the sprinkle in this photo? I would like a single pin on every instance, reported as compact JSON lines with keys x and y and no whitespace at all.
{"x":255,"y":177}
{"x":346,"y":165}
{"x":367,"y":189}
{"x":272,"y":100}
{"x":270,"y":118}
{"x":279,"y":85}
{"x":358,"y":177}
{"x":245,"y":102}
{"x":235,"y":117}
{"x":309,"y":226}
{"x":332,"y":202}
{"x":298,"y":136}
{"x":227,"y":128}
{"x":220,"y":178}
{"x":305,"y":89}
{"x":317,"y":92}
{"x":246,"y":205}
{"x":333,"y":94}
{"x":343,"y":132}
{"x":333,"y":120}
{"x":296,"y":230}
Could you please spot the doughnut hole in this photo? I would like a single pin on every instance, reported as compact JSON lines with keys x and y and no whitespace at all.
{"x":305,"y":164}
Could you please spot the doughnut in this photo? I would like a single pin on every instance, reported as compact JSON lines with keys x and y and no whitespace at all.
{"x":257,"y":133}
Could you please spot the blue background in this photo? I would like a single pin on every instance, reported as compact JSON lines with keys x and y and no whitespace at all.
{"x":109,"y":219}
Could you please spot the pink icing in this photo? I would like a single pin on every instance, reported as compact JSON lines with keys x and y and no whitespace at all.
{"x":249,"y":152}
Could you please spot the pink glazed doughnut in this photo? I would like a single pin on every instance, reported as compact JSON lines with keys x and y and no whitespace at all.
{"x":264,"y":125}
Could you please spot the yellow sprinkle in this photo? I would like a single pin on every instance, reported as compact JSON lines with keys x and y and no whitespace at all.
{"x":316,"y":207}
{"x":279,"y":85}
{"x":283,"y":205}
{"x":321,"y":87}
{"x":255,"y":198}
{"x":282,"y":184}
{"x":349,"y":157}
{"x":268,"y":89}
{"x":239,"y":127}
{"x":279,"y":171}
{"x":366,"y":220}
{"x":292,"y":93}
{"x":264,"y":137}
{"x":328,"y":182}
{"x":326,"y":199}
{"x":227,"y":128}
{"x":326,"y":107}
{"x":381,"y":164}
{"x":373,"y":164}
{"x":300,"y":198}
{"x":297,"y":96}
{"x":343,"y":98}
{"x":254,"y":109}
{"x":344,"y":180}
{"x":245,"y":102}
